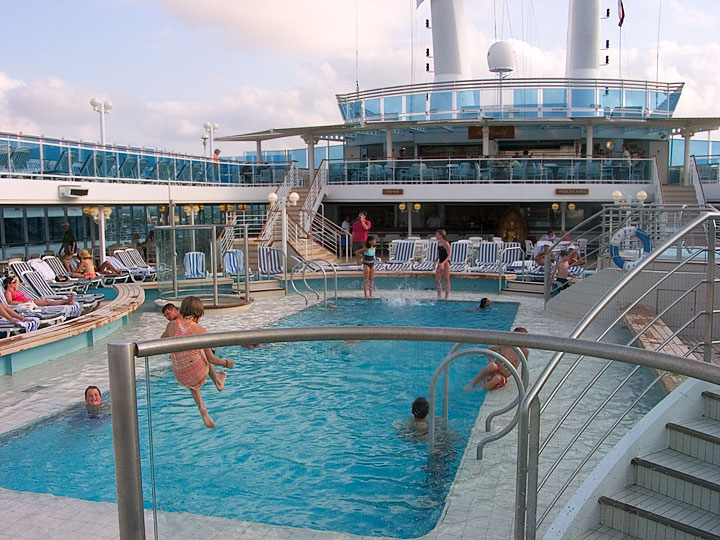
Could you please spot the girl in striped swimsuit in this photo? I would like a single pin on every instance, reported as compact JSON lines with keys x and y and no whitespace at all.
{"x":191,"y":368}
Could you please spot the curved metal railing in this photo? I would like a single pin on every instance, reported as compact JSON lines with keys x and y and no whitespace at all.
{"x":316,"y":263}
{"x":530,"y":446}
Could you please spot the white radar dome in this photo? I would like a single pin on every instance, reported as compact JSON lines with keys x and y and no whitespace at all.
{"x":501,"y":57}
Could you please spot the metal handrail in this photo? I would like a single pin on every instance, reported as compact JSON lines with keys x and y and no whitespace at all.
{"x":304,"y":265}
{"x":315,"y":194}
{"x":122,"y":356}
{"x":528,"y":436}
{"x":283,"y":190}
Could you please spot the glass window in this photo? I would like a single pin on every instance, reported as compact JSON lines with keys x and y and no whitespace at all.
{"x":582,"y":98}
{"x":372,"y":108}
{"x":635,"y":99}
{"x":36,"y":225}
{"x":415,"y":103}
{"x":441,"y":104}
{"x":393,"y":107}
{"x":554,"y":97}
{"x":56,"y":218}
{"x":13,"y":221}
{"x":525,"y":97}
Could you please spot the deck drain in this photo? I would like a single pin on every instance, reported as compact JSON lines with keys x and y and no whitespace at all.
{"x":34,"y":389}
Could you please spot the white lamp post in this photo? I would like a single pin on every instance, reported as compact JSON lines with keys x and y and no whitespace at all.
{"x":211,"y":129}
{"x":292,"y":198}
{"x":204,"y":138}
{"x":103,"y":108}
{"x":641,"y":196}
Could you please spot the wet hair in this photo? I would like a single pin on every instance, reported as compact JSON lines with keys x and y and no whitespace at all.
{"x":420,"y":408}
{"x":168,"y":307}
{"x":192,"y":308}
{"x":92,"y":388}
{"x":8,"y":280}
{"x":442,"y":233}
{"x":520,"y":329}
{"x":485,"y":302}
{"x":369,"y":239}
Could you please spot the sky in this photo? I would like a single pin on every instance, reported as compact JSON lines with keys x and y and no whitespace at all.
{"x":169,"y":66}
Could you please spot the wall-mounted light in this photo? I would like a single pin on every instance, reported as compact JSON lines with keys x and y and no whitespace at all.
{"x":94,"y":212}
{"x":86,"y":211}
{"x":107,"y":211}
{"x":616,"y":196}
{"x":242,"y":207}
{"x":187,"y":209}
{"x":417,"y":206}
{"x":641,"y":196}
{"x":402,"y":206}
{"x":555,"y":206}
{"x":571,"y":206}
{"x":293,"y":198}
{"x":162,"y":209}
{"x":195,"y":208}
{"x":272,"y":197}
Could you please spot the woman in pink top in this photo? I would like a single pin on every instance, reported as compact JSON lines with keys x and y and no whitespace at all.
{"x":14,"y":296}
{"x":191,"y":368}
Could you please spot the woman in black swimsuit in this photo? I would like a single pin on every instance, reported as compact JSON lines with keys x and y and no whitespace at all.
{"x":442,"y":271}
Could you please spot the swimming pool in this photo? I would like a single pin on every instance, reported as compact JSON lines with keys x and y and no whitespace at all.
{"x":305,"y":432}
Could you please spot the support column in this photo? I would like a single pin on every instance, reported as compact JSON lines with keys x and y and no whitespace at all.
{"x":258,"y":150}
{"x":486,"y":140}
{"x":311,"y":142}
{"x":409,"y":213}
{"x":101,"y":232}
{"x":388,"y":144}
{"x":687,"y":134}
{"x":589,"y":141}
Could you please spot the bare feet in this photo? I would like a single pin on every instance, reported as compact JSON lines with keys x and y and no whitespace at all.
{"x":220,"y":382}
{"x":70,"y":300}
{"x":206,"y":418}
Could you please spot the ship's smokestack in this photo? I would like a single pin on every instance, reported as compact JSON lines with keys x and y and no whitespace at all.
{"x":450,"y":49}
{"x":583,"y":40}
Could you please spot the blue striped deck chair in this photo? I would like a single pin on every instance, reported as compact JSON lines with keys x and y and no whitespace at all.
{"x":511,"y":252}
{"x":68,"y":311}
{"x":402,"y":256}
{"x":48,"y":315}
{"x":127,"y":259}
{"x":36,"y":282}
{"x":577,"y":271}
{"x":459,"y":252}
{"x":28,"y":326}
{"x":194,"y":262}
{"x":234,"y":263}
{"x":428,"y":263}
{"x":136,"y":274}
{"x":19,"y":268}
{"x":135,"y":256}
{"x":79,"y":285}
{"x":128,"y":168}
{"x":270,"y":261}
{"x":487,"y":260}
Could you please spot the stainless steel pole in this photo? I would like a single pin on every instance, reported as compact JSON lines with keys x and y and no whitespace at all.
{"x":710,"y":296}
{"x":247,"y":262}
{"x":126,"y":440}
{"x":213,"y":264}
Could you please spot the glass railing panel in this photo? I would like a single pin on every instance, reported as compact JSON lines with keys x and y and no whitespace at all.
{"x":441,"y":105}
{"x":372,"y":109}
{"x":392,"y":107}
{"x":57,"y":158}
{"x":583,"y":102}
{"x":634,"y":103}
{"x":415,"y":106}
{"x":610,"y":100}
{"x":468,"y":103}
{"x":5,"y":152}
{"x":181,"y":171}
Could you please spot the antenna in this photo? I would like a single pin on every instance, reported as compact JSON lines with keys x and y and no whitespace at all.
{"x":357,"y":56}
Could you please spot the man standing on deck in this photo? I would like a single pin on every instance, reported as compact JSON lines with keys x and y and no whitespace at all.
{"x":69,"y":243}
{"x":360,"y":231}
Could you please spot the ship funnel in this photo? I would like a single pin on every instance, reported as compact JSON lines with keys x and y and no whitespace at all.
{"x":452,"y":61}
{"x":582,"y":59}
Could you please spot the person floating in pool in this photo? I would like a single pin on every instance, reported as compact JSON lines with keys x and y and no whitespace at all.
{"x":495,"y":374}
{"x":367,"y":254}
{"x":442,"y":270}
{"x":484,"y":305}
{"x":93,"y":401}
{"x":191,"y":368}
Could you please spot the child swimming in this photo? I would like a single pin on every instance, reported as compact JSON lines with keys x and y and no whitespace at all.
{"x":191,"y":368}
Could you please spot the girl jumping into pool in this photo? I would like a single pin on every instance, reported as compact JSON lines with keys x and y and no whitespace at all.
{"x":367,"y":254}
{"x":442,"y":271}
{"x":191,"y":368}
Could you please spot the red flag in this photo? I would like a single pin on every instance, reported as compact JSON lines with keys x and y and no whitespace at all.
{"x":621,"y":13}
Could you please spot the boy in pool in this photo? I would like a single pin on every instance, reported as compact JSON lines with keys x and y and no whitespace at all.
{"x":93,"y":401}
{"x":484,"y":305}
{"x":170,"y":311}
{"x":191,"y":368}
{"x":495,"y":374}
{"x":415,"y":427}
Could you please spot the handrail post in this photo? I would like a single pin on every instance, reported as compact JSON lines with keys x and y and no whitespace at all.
{"x":521,"y":498}
{"x":126,"y":439}
{"x":246,"y":245}
{"x":710,"y":296}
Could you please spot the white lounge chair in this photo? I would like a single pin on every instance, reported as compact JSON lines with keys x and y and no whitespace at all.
{"x":270,"y":261}
{"x":459,"y":252}
{"x":234,"y":263}
{"x":401,"y":256}
{"x":428,"y":263}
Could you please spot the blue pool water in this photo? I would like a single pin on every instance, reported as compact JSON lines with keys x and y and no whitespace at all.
{"x":305,"y":434}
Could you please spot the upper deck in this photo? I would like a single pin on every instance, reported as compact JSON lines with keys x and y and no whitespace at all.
{"x":512,"y":98}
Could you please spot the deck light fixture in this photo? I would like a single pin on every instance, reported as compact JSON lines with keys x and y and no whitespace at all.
{"x":641,"y":196}
{"x":616,"y":196}
{"x":107,"y":211}
{"x":417,"y":206}
{"x":402,"y":207}
{"x":571,"y":206}
{"x":555,"y":206}
{"x":102,"y":108}
{"x":211,"y":129}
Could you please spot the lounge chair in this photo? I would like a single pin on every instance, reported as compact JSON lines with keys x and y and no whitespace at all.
{"x":68,"y":311}
{"x":194,"y":262}
{"x":104,"y":279}
{"x":128,"y":168}
{"x":18,"y":268}
{"x":135,"y":274}
{"x":401,"y":257}
{"x":139,"y":261}
{"x":459,"y":255}
{"x":80,"y":285}
{"x":488,"y":260}
{"x":4,"y":158}
{"x":65,"y":162}
{"x":428,"y":263}
{"x":511,"y":252}
{"x":136,"y":264}
{"x":48,"y":315}
{"x":39,"y":286}
{"x":234,"y":263}
{"x":270,"y":261}
{"x":19,"y":158}
{"x":91,"y":166}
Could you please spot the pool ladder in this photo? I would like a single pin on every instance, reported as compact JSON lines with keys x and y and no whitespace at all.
{"x":444,"y":368}
{"x":318,"y":264}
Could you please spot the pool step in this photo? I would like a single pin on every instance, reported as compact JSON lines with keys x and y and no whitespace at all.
{"x":265,"y":288}
{"x":524,"y":287}
{"x":676,"y":491}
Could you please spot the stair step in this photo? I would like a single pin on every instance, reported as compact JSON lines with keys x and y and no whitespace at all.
{"x":698,"y":437}
{"x":687,"y":479}
{"x":711,"y":405}
{"x":649,"y":515}
{"x":602,"y":532}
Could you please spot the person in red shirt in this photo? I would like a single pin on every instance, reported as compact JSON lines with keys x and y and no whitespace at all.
{"x":360,"y":231}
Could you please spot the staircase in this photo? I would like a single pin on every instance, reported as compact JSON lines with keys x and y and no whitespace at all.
{"x":679,"y":195}
{"x":676,"y":491}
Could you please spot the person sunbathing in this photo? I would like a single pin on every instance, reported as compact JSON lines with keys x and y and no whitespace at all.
{"x":14,"y":296}
{"x":86,"y":268}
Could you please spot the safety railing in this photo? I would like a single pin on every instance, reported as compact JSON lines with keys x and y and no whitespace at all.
{"x":512,"y":98}
{"x":122,"y":358}
{"x":315,"y":264}
{"x":696,"y":182}
{"x":708,"y":168}
{"x":495,"y":170}
{"x":327,"y":234}
{"x":314,"y":196}
{"x":61,"y":159}
{"x":290,"y":179}
{"x":673,"y":286}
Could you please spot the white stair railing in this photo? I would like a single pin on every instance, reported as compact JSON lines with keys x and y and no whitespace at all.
{"x":290,"y":179}
{"x":315,"y":195}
